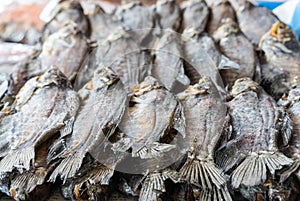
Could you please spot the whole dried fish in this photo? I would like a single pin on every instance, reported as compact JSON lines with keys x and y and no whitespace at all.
{"x":137,"y":19}
{"x":168,"y":15}
{"x":46,"y":104}
{"x":195,"y":14}
{"x":292,"y":104}
{"x":168,"y":65}
{"x":102,"y":24}
{"x":280,"y":64}
{"x":205,"y":114}
{"x":125,"y":57}
{"x":66,"y":48}
{"x":234,"y":45}
{"x":153,"y":104}
{"x":257,"y":123}
{"x":63,"y":13}
{"x":102,"y":106}
{"x":202,"y":57}
{"x":252,"y":26}
{"x":220,"y":10}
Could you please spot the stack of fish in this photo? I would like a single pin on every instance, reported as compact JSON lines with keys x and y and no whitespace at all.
{"x":197,"y":100}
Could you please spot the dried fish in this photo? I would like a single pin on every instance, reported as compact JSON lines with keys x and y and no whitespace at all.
{"x":137,"y":19}
{"x":205,"y":114}
{"x":257,"y":123}
{"x":45,"y":105}
{"x":168,"y":65}
{"x":31,"y":183}
{"x":66,"y":48}
{"x":252,"y":26}
{"x":63,"y":13}
{"x":168,"y":15}
{"x":102,"y":24}
{"x":201,"y":51}
{"x":220,"y":10}
{"x":195,"y":14}
{"x":234,"y":45}
{"x":280,"y":64}
{"x":102,"y":106}
{"x":19,"y":32}
{"x":125,"y":57}
{"x":292,"y":104}
{"x":153,"y":104}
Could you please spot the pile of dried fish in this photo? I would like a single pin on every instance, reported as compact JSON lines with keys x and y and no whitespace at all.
{"x":193,"y":100}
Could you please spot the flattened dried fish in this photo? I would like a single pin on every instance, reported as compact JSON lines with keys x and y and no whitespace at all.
{"x":195,"y":14}
{"x":252,"y":26}
{"x":205,"y":114}
{"x":234,"y":45}
{"x":256,"y":124}
{"x":220,"y":10}
{"x":148,"y":118}
{"x":65,"y":48}
{"x":168,"y":14}
{"x":63,"y":13}
{"x":201,"y":51}
{"x":102,"y":106}
{"x":169,"y":66}
{"x":281,"y":60}
{"x":125,"y":57}
{"x":292,"y":104}
{"x":102,"y":24}
{"x":45,"y":105}
{"x":137,"y":19}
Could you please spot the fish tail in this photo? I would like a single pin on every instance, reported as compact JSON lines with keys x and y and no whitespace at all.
{"x":215,"y":194}
{"x":26,"y":182}
{"x":56,"y":149}
{"x":102,"y":175}
{"x":253,"y":170}
{"x":292,"y":169}
{"x":21,"y":158}
{"x":154,"y":185}
{"x":203,"y":173}
{"x":152,"y":151}
{"x":67,"y":167}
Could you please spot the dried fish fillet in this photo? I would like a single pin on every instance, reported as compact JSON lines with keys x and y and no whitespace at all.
{"x":253,"y":147}
{"x":205,"y":114}
{"x":102,"y":106}
{"x":33,"y":122}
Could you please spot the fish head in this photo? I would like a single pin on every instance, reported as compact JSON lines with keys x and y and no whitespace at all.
{"x":227,"y":28}
{"x":243,"y":85}
{"x":103,"y":77}
{"x":150,"y":83}
{"x":53,"y":76}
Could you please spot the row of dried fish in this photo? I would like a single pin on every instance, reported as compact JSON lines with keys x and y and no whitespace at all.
{"x":149,"y":108}
{"x":98,"y":127}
